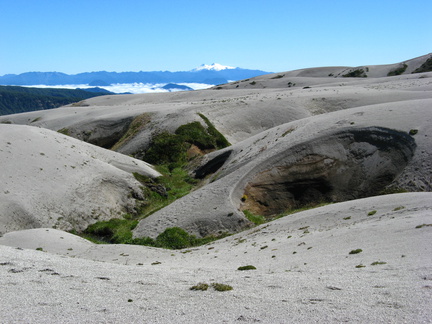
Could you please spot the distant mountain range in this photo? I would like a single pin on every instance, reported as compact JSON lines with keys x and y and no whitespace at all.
{"x":209,"y":74}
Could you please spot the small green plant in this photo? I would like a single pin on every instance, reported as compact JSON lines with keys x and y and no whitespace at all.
{"x":279,"y":76}
{"x":221,"y":287}
{"x":247,"y":267}
{"x":64,"y":131}
{"x":413,"y":132}
{"x":36,"y":119}
{"x":356,"y":251}
{"x":360,"y":266}
{"x":399,"y":208}
{"x":359,"y":73}
{"x":378,"y":263}
{"x":201,"y":286}
{"x":425,"y":67}
{"x":346,"y":218}
{"x":371,"y":213}
{"x":398,"y":71}
{"x":423,"y":225}
{"x":256,"y":219}
{"x":39,"y":249}
{"x":253,"y":83}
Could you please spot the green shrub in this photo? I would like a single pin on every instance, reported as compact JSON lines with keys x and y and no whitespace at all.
{"x":175,"y":238}
{"x":359,"y":73}
{"x":117,"y":231}
{"x":378,"y":263}
{"x":356,"y":251}
{"x":425,"y":67}
{"x":221,"y":287}
{"x":413,"y":132}
{"x":201,"y":286}
{"x":247,"y":267}
{"x":195,"y":133}
{"x":64,"y":131}
{"x":398,"y":71}
{"x":166,"y":148}
{"x":371,"y":213}
{"x":256,"y":219}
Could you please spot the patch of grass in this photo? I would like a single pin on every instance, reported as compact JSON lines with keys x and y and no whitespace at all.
{"x":247,"y":267}
{"x":356,"y":251}
{"x":372,"y":212}
{"x":39,"y":249}
{"x":116,"y":231}
{"x":36,"y":119}
{"x":256,"y":219}
{"x":423,"y":225}
{"x":64,"y":131}
{"x":392,"y":190}
{"x":425,"y":67}
{"x":398,"y":71}
{"x":279,"y":76}
{"x":137,"y":124}
{"x":201,"y":286}
{"x":119,"y":231}
{"x":347,"y":218}
{"x":304,"y":208}
{"x":221,"y":287}
{"x":413,"y":132}
{"x":171,"y":149}
{"x":378,"y":263}
{"x":399,"y":208}
{"x":360,"y":266}
{"x":221,"y":141}
{"x":359,"y":73}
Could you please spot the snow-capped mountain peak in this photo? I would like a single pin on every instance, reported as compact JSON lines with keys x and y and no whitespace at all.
{"x":213,"y":67}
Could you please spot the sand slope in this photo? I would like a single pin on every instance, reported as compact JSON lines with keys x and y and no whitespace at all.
{"x":304,"y":272}
{"x":298,"y":137}
{"x":52,"y":180}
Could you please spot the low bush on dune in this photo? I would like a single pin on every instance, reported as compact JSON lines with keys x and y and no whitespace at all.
{"x":401,"y":69}
{"x":119,"y":231}
{"x":171,"y":149}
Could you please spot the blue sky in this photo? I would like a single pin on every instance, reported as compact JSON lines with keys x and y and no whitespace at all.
{"x":74,"y":36}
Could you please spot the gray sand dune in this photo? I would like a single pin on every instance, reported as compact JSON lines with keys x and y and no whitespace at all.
{"x":305,"y":272}
{"x":217,"y":206}
{"x":298,"y":137}
{"x":49,"y":179}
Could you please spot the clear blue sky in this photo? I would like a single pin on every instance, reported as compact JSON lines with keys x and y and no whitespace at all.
{"x":74,"y":36}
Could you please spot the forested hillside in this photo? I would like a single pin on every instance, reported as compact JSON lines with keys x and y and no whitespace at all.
{"x":15,"y":100}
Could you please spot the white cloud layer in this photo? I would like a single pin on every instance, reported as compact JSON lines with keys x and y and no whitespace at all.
{"x":128,"y":87}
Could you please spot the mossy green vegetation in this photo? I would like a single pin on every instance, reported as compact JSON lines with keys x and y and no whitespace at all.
{"x":137,"y":124}
{"x":171,"y":149}
{"x":247,"y":267}
{"x":201,"y":286}
{"x":378,"y":263}
{"x":425,"y":67}
{"x":356,"y":251}
{"x":256,"y":219}
{"x":119,"y":231}
{"x":64,"y":131}
{"x":221,"y":287}
{"x":359,"y":73}
{"x":399,"y":70}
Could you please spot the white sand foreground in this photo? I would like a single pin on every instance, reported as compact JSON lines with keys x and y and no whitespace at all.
{"x":305,"y":272}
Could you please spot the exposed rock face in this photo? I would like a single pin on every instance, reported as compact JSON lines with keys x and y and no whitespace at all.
{"x":359,"y":163}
